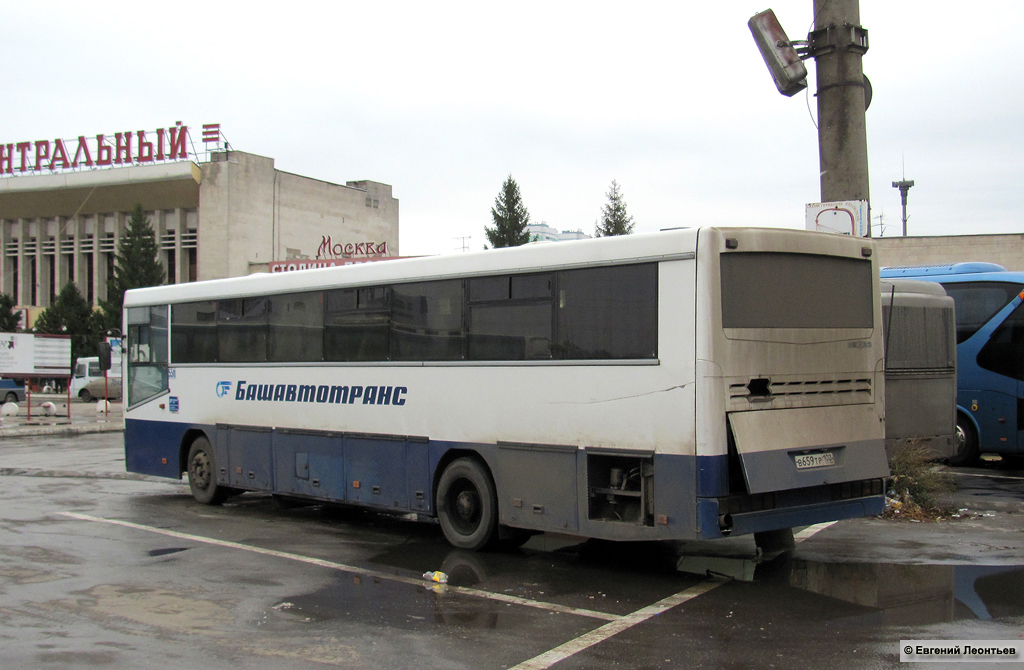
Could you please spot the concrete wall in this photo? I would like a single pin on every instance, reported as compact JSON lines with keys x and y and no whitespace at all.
{"x":1006,"y":250}
{"x":271,"y":215}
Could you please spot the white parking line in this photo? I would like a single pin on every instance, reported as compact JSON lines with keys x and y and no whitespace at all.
{"x":616,"y":623}
{"x":602,"y":633}
{"x":549,"y":658}
{"x":811,"y":531}
{"x":500,"y":597}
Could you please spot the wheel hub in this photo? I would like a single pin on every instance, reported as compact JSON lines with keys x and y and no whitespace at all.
{"x":200,"y":471}
{"x":466,"y":505}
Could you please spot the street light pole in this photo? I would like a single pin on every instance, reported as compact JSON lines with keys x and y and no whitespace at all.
{"x":838,"y":42}
{"x":904,"y":186}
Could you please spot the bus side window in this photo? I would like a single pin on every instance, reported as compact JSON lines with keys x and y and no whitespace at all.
{"x":1004,"y":351}
{"x":147,"y":352}
{"x":608,"y":312}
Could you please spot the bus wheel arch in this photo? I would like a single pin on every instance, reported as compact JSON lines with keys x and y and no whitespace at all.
{"x":187,"y":439}
{"x":467,"y":503}
{"x":966,"y":452}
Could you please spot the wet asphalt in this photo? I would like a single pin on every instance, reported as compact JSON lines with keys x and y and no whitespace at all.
{"x":102,"y":569}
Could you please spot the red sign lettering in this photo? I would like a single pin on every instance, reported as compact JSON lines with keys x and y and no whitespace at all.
{"x":83,"y":147}
{"x":59,"y":154}
{"x":171,"y":144}
{"x":328,"y":249}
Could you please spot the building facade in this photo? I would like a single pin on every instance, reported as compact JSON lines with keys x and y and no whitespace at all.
{"x":227,"y":216}
{"x":542,"y":232}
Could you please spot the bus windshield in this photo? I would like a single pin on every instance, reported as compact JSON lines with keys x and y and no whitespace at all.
{"x":977,"y":302}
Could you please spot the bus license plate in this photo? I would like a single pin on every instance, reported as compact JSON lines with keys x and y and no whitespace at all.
{"x":805,"y":461}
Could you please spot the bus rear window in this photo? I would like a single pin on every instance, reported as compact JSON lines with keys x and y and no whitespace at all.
{"x":786,"y":290}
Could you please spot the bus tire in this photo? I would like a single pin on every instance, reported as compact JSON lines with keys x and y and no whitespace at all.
{"x":85,"y":395}
{"x":202,"y":474}
{"x":467,"y":505}
{"x":966,"y":443}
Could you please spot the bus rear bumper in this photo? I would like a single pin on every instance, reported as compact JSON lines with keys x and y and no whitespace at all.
{"x":712,"y":525}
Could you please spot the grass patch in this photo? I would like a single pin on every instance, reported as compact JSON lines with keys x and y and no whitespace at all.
{"x":915,"y":484}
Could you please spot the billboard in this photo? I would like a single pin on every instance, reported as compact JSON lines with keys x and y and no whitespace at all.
{"x":28,"y":355}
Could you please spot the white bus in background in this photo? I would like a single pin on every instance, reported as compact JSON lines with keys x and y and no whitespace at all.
{"x":87,"y":370}
{"x":693,"y":383}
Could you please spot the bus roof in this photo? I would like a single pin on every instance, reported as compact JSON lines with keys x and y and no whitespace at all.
{"x":911,"y":286}
{"x":638,"y":248}
{"x":973,"y":267}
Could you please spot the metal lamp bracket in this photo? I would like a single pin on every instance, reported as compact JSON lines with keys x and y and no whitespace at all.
{"x":846,"y":37}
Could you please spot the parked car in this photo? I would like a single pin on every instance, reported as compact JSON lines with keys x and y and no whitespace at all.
{"x":11,"y":391}
{"x":94,"y":389}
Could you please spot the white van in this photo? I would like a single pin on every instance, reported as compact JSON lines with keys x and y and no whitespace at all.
{"x":87,"y":369}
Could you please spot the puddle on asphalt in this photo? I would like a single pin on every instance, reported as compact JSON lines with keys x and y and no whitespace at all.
{"x":609,"y":577}
{"x":620,"y":578}
{"x":908,"y":594}
{"x":165,"y":552}
{"x":394,"y":605}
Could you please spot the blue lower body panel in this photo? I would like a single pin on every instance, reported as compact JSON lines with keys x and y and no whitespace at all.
{"x":154,"y":447}
{"x":539,"y":487}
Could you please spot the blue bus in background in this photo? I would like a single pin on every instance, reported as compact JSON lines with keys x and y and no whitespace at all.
{"x":990,"y":354}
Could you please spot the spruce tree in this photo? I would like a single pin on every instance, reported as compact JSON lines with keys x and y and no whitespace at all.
{"x":614,"y":219}
{"x":135,"y":265}
{"x":70,"y":314}
{"x":510,"y":218}
{"x":9,"y":319}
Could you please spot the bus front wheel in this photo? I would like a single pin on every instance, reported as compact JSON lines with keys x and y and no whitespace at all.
{"x":966,"y":443}
{"x":202,"y":474}
{"x":467,"y":505}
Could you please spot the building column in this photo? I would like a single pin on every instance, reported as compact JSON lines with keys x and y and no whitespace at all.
{"x":24,"y":269}
{"x":60,"y":270}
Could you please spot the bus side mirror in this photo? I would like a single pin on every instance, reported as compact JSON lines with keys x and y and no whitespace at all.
{"x":103,"y":350}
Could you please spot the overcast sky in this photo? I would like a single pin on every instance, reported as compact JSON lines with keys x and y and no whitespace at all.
{"x":444,"y":100}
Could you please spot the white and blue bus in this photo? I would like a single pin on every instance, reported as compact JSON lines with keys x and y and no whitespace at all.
{"x":693,"y":383}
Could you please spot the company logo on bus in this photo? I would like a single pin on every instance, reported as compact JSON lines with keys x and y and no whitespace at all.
{"x":323,"y":393}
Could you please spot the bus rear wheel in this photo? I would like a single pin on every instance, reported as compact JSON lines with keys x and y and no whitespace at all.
{"x":467,"y":505}
{"x":202,"y":474}
{"x":966,"y":443}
